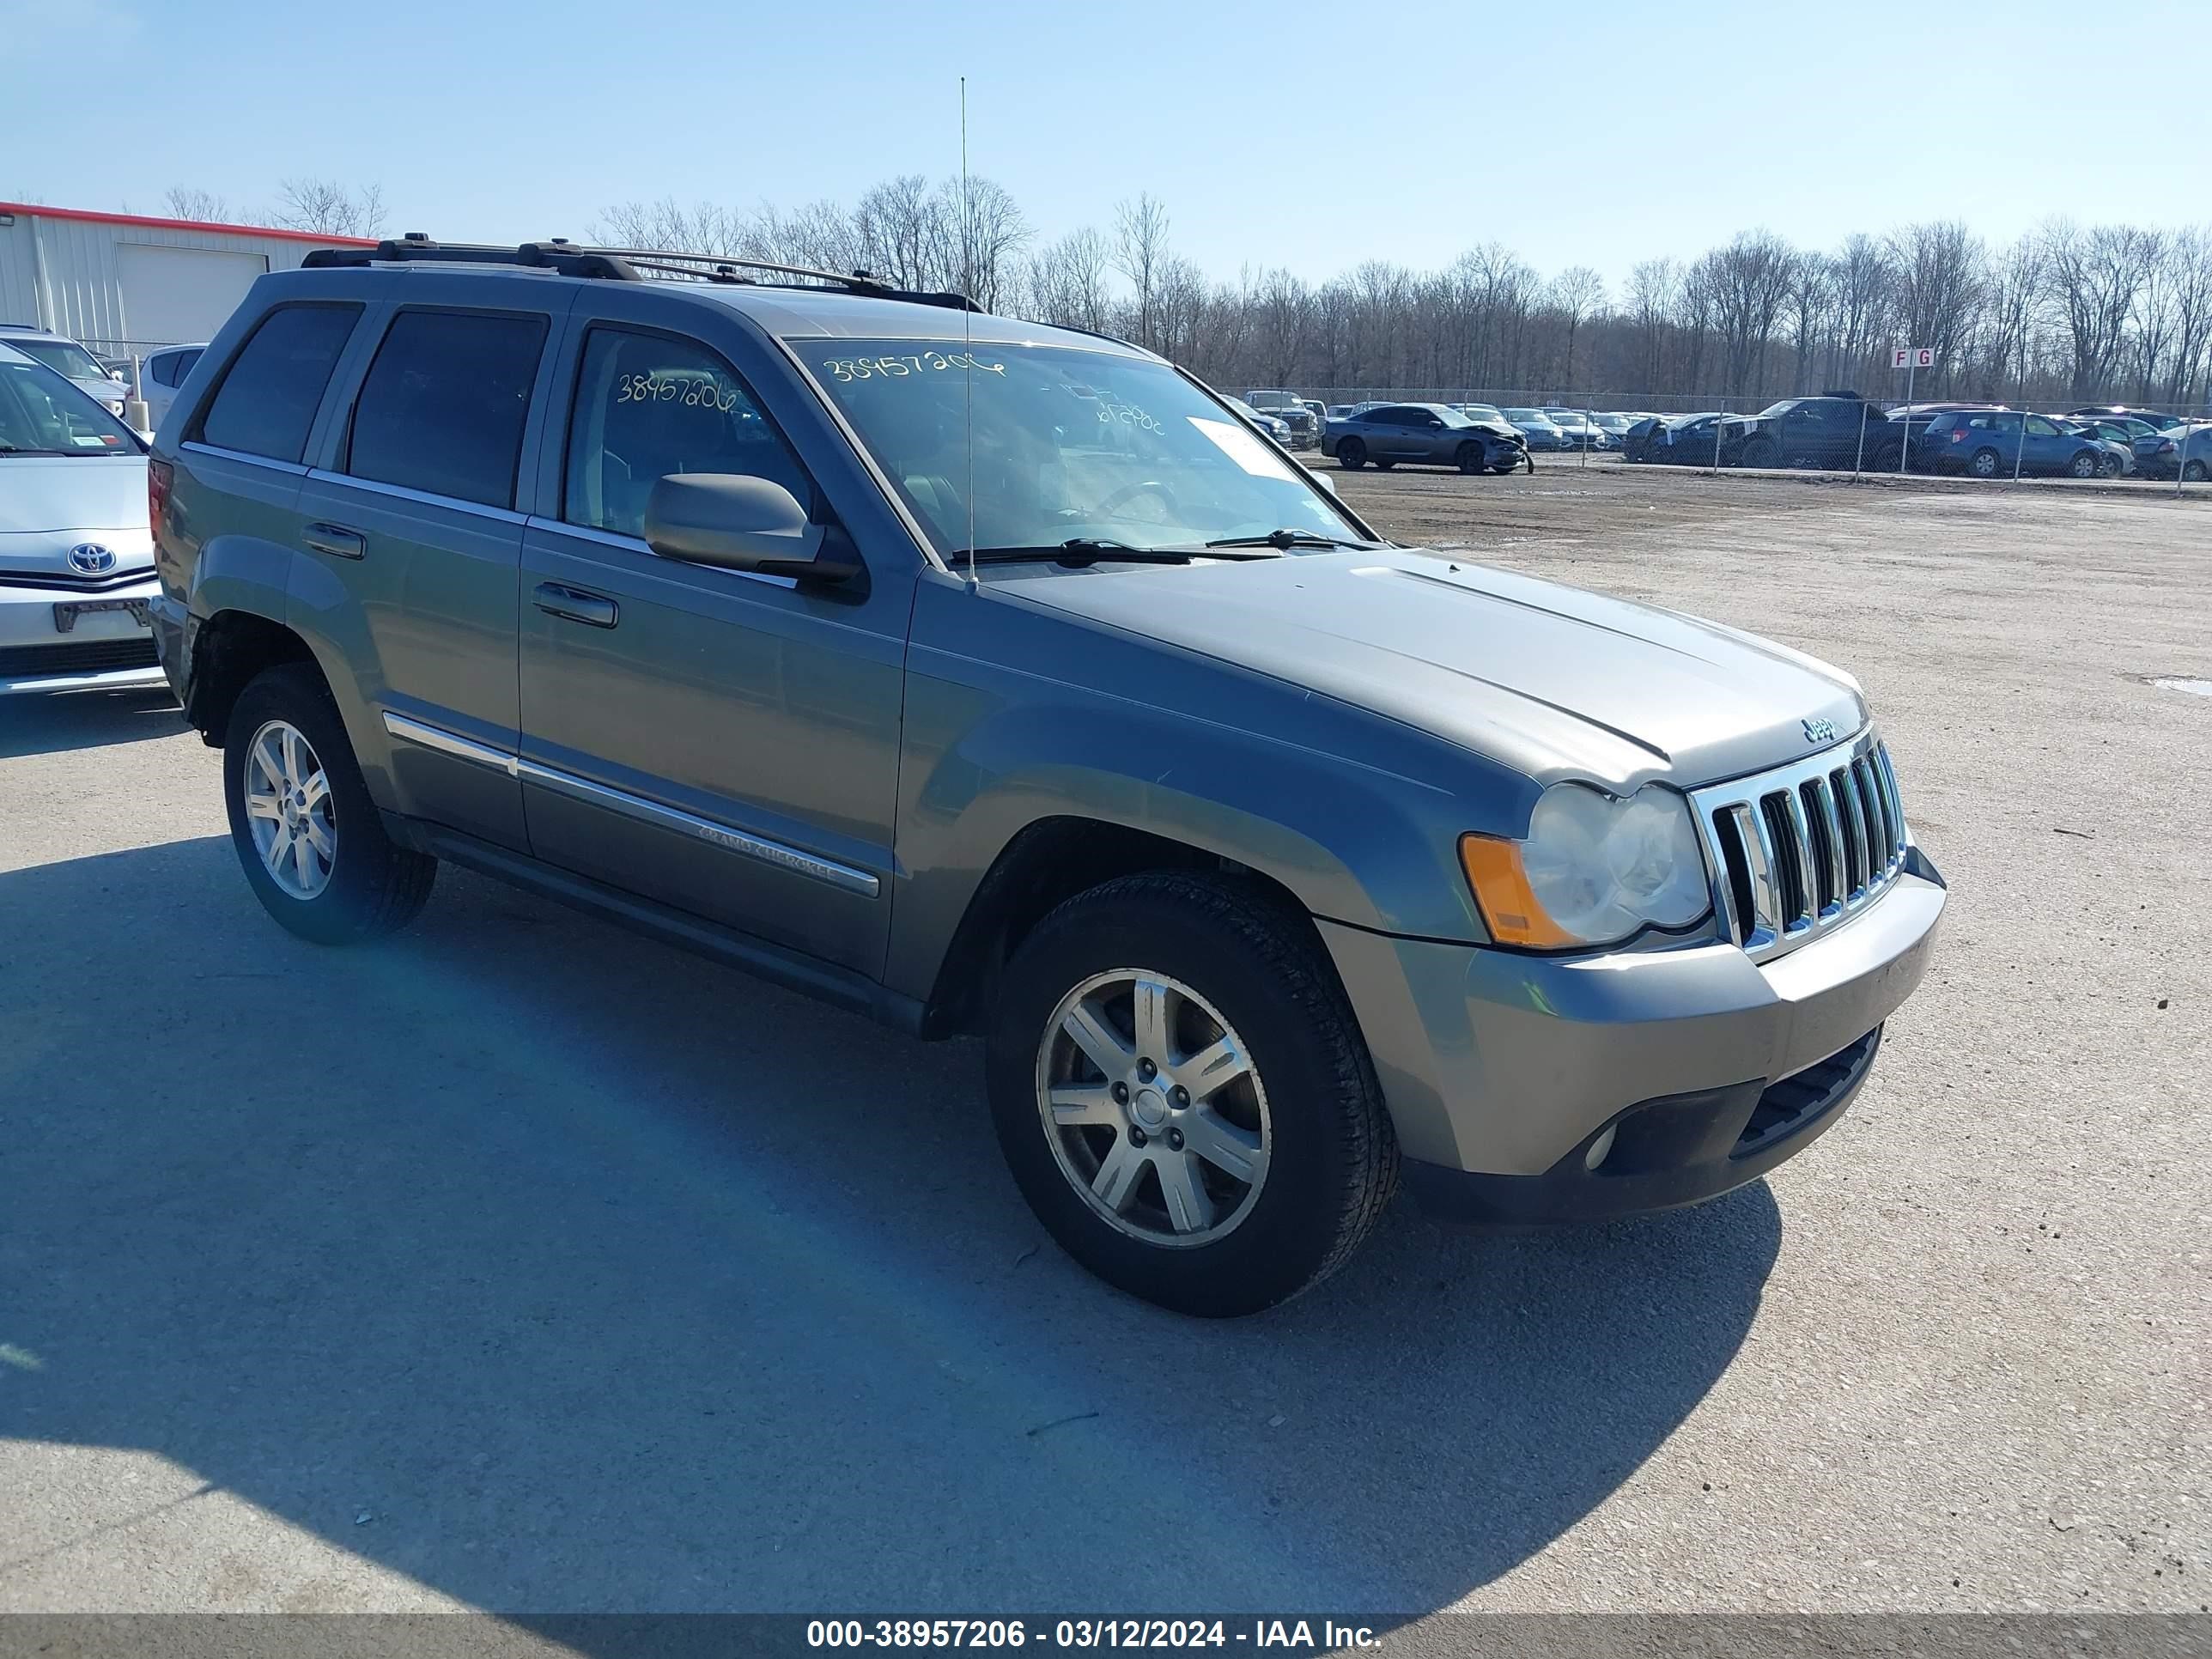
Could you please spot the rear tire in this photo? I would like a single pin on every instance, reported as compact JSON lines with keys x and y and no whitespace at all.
{"x":1233,"y":974}
{"x":1351,"y":454}
{"x":1381,"y":465}
{"x":309,"y":838}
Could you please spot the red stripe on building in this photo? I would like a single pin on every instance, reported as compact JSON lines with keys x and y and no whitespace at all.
{"x":319,"y":237}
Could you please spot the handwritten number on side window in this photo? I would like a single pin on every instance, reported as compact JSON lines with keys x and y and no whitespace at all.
{"x":690,"y":390}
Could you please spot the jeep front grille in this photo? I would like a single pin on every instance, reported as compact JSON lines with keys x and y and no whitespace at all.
{"x":1800,"y":849}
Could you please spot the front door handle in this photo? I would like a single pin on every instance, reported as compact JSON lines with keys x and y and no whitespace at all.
{"x":595,"y":610}
{"x":334,"y":539}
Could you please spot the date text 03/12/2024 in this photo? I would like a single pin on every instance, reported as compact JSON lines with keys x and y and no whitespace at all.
{"x":1284,"y":1635}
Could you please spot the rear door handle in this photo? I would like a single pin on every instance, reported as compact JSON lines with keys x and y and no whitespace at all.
{"x":334,"y":539}
{"x":595,"y":610}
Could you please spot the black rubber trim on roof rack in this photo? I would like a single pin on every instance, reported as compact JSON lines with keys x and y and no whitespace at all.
{"x":624,"y":265}
{"x":537,"y":256}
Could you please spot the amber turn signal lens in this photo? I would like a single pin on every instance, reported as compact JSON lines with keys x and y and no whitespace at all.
{"x":1501,"y":890}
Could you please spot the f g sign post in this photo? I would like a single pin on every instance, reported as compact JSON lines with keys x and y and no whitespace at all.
{"x":1911,"y":359}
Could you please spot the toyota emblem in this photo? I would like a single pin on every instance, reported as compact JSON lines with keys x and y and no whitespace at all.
{"x":91,"y":559}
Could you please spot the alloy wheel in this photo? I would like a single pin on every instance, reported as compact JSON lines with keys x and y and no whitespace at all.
{"x":1153,"y":1109}
{"x":288,"y":807}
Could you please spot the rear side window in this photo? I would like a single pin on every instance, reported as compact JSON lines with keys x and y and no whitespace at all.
{"x":267,"y":399}
{"x":443,"y":407}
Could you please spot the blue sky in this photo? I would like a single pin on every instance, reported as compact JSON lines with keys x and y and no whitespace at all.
{"x":1310,"y":136}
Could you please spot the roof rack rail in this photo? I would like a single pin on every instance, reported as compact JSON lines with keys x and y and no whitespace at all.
{"x":622,"y":265}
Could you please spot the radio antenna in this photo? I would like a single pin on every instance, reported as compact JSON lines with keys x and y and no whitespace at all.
{"x":967,"y":333}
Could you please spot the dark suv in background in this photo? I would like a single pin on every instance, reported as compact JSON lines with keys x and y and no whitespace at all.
{"x":1839,"y":430}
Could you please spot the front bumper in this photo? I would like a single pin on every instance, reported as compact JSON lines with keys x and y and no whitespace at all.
{"x":1504,"y":1070}
{"x":107,"y":648}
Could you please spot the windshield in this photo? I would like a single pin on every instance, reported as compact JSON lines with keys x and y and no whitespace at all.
{"x":1067,"y":443}
{"x":42,"y":414}
{"x":64,"y":357}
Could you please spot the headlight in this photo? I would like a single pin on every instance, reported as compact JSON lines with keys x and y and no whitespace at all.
{"x":1592,"y":870}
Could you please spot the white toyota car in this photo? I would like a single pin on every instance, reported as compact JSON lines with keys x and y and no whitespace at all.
{"x":76,"y":556}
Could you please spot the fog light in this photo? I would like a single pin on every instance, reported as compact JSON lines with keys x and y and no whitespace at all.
{"x":1600,"y":1148}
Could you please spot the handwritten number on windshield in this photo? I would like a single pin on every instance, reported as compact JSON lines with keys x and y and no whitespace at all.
{"x":845,"y":369}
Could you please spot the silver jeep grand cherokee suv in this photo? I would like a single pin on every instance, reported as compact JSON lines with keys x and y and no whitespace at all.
{"x":988,"y":677}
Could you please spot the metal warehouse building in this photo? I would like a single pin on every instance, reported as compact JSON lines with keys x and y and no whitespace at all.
{"x":124,"y":285}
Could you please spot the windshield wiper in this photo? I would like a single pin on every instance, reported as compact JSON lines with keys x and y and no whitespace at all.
{"x":1283,"y":540}
{"x":1080,"y":551}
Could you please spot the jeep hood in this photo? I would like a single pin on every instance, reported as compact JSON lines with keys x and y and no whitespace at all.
{"x":1552,"y":680}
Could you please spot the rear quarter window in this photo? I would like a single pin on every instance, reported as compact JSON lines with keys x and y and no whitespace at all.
{"x":268,"y":398}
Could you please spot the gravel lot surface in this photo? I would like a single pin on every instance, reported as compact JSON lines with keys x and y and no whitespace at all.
{"x":521,"y":1264}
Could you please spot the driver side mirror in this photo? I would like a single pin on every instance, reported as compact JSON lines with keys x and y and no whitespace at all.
{"x":734,"y":522}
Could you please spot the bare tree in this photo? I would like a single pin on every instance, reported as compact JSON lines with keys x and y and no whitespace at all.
{"x":186,"y":203}
{"x":330,"y":209}
{"x":2014,"y":309}
{"x":1863,"y":279}
{"x":2189,"y":259}
{"x":2094,"y":275}
{"x":988,"y":232}
{"x":1749,"y":279}
{"x":1140,"y":250}
{"x":1941,"y":284}
{"x":1068,"y":281}
{"x":1576,"y":294}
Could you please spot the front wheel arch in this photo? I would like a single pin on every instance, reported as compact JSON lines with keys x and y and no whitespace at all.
{"x":230,"y":650}
{"x":1045,"y":864}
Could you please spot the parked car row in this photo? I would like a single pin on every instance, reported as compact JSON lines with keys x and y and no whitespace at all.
{"x":1842,"y":431}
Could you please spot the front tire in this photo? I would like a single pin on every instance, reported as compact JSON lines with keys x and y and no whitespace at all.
{"x":1241,"y":1161}
{"x":1986,"y":464}
{"x":307,"y":835}
{"x":2193,"y":472}
{"x":1469,"y":458}
{"x":1760,"y":453}
{"x":2085,"y":464}
{"x":1351,"y":454}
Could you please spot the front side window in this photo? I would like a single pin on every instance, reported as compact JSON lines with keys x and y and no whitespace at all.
{"x":1036,"y":444}
{"x":648,"y":405}
{"x":2038,"y":427}
{"x":267,"y":399}
{"x":42,"y":414}
{"x":443,"y":406}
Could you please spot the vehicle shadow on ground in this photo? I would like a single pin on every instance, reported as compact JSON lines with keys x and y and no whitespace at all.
{"x":598,"y":1278}
{"x":57,"y":723}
